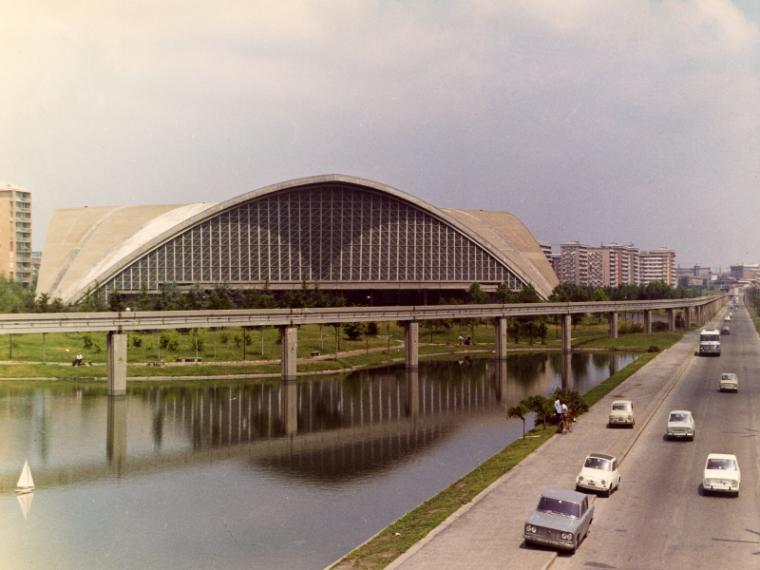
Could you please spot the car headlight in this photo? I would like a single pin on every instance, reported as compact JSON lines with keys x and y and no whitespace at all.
{"x":604,"y":482}
{"x":567,"y":536}
{"x":630,"y":418}
{"x":580,"y":479}
{"x":530,"y":528}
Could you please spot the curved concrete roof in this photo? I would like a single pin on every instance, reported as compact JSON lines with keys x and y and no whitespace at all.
{"x":87,"y":246}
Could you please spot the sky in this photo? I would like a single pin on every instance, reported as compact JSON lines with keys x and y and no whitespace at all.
{"x":630,"y":121}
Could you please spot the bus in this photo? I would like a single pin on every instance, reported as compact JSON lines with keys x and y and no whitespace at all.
{"x":709,"y":342}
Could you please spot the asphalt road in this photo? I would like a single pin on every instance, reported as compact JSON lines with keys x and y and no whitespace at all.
{"x":660,"y":518}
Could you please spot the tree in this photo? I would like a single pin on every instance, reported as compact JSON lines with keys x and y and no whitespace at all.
{"x":518,"y":411}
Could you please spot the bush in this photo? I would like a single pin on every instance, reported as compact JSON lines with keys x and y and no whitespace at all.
{"x":653,"y":348}
{"x":169,"y":340}
{"x":87,"y":342}
{"x":136,"y":340}
{"x":659,"y":326}
{"x":629,"y":328}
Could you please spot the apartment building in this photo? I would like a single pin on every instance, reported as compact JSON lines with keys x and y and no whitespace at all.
{"x":16,"y":233}
{"x":613,"y":265}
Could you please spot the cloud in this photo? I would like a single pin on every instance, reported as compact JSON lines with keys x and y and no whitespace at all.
{"x":604,"y":120}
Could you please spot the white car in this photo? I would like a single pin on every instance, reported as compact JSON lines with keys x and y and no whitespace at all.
{"x":722,"y":474}
{"x":729,"y":381}
{"x":681,"y":424}
{"x":599,"y":473}
{"x":622,"y":413}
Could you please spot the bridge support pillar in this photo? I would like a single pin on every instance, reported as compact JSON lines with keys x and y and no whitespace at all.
{"x":567,"y":328}
{"x":686,"y":317}
{"x":412,"y":344}
{"x":500,"y":327}
{"x":116,"y":363}
{"x":289,"y":354}
{"x":671,"y":319}
{"x":647,"y":321}
{"x":612,"y":319}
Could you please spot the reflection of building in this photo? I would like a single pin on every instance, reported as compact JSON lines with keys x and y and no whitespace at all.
{"x":16,"y":234}
{"x":338,"y":232}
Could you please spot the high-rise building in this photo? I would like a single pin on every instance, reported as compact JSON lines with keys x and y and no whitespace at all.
{"x":613,"y":265}
{"x":658,"y":265}
{"x":16,"y":233}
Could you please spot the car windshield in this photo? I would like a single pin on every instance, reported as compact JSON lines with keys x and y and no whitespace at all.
{"x":679,"y":417}
{"x":722,"y":464}
{"x":727,"y":376}
{"x":709,"y":338}
{"x":598,"y":463}
{"x":559,"y":507}
{"x":620,"y":407}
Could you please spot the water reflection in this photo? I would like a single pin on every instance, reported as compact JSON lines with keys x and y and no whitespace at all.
{"x":305,"y":470}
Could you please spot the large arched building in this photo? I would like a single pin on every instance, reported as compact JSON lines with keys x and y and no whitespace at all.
{"x":337,"y":232}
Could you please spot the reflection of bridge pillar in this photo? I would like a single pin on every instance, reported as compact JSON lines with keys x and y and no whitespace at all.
{"x":116,"y":433}
{"x":290,"y":406}
{"x":613,"y":363}
{"x":686,"y":317}
{"x":566,"y":323}
{"x":289,"y":347}
{"x":567,"y":371}
{"x":612,"y":319}
{"x":500,"y":328}
{"x":411,"y":344}
{"x":501,"y":381}
{"x":671,"y":319}
{"x":412,"y":392}
{"x":116,"y":363}
{"x":647,"y":321}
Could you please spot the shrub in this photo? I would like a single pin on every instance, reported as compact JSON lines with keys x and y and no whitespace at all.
{"x":87,"y":342}
{"x":136,"y":340}
{"x":653,"y":348}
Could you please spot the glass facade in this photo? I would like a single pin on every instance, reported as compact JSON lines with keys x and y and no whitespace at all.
{"x":329,"y":232}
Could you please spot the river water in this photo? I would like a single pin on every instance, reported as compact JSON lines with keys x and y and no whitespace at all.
{"x":251,"y":475}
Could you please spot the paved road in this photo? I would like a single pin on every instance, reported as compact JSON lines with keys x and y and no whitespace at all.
{"x":660,"y":518}
{"x":633,"y":528}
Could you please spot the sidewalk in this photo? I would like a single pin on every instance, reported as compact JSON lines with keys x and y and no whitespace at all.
{"x":487,"y":533}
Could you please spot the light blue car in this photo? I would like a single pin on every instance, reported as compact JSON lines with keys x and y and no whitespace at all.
{"x":561,"y":519}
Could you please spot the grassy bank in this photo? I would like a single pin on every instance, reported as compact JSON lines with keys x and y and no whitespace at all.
{"x":396,"y":539}
{"x":232,"y":351}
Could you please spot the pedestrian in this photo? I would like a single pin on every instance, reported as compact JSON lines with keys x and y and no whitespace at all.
{"x":566,"y":417}
{"x":558,"y":410}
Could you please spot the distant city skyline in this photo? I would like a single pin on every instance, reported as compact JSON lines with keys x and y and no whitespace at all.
{"x":595,"y":120}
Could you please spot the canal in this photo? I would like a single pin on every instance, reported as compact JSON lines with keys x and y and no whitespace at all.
{"x":241,"y":475}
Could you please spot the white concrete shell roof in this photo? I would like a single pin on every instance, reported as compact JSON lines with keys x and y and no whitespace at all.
{"x":86,"y":247}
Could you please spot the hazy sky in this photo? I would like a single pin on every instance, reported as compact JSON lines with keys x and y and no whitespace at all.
{"x":596,"y":120}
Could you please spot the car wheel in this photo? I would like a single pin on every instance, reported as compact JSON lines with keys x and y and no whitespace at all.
{"x":608,"y":492}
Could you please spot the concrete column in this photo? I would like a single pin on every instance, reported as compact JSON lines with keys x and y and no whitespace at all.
{"x":567,"y":327}
{"x":289,"y":354}
{"x":647,"y":321}
{"x":290,"y":406}
{"x":686,"y":317}
{"x":412,"y":392}
{"x":412,"y":344}
{"x":116,"y":363}
{"x":612,"y":319}
{"x":116,"y":433}
{"x":671,"y":319}
{"x":500,"y":327}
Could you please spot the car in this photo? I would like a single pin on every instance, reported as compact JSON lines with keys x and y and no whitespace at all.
{"x":680,"y":424}
{"x":622,"y":413}
{"x":729,"y":381}
{"x":722,"y":474}
{"x":561,"y":519}
{"x":599,"y":473}
{"x":725,"y":330}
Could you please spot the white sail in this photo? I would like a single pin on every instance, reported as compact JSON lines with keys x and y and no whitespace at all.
{"x":25,"y":502}
{"x":25,"y":481}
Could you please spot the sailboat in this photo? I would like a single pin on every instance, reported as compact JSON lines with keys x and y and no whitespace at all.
{"x":25,"y":482}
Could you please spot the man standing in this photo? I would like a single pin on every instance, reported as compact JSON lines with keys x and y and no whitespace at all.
{"x":558,"y":409}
